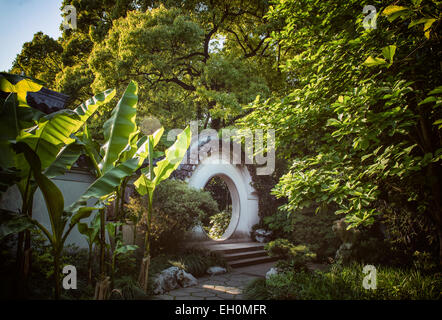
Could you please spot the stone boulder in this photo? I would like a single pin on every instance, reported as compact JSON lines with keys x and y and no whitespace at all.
{"x":273,"y":271}
{"x":173,"y":278}
{"x":185,"y":279}
{"x":216,"y":270}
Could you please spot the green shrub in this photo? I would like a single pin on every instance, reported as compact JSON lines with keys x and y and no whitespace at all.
{"x":308,"y":227}
{"x":126,"y":288}
{"x":291,"y":256}
{"x":219,"y":223}
{"x":177,"y":209}
{"x":256,"y":290}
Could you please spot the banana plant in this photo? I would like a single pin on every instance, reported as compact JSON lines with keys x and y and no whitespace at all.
{"x":62,"y":222}
{"x":48,"y":136}
{"x":118,"y":247}
{"x":91,"y":232}
{"x":122,"y":153}
{"x":150,"y":178}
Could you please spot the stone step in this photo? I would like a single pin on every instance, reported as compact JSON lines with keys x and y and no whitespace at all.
{"x":251,"y":261}
{"x":244,"y":255}
{"x":236,"y":247}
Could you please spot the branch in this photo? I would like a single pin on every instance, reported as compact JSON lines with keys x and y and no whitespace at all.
{"x":181,"y":84}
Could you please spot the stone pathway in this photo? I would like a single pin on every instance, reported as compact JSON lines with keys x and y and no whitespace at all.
{"x":228,"y":286}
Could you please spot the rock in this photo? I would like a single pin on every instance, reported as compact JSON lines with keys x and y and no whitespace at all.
{"x":262,"y":235}
{"x":173,"y":278}
{"x":216,"y":270}
{"x":271,"y":272}
{"x":185,"y":279}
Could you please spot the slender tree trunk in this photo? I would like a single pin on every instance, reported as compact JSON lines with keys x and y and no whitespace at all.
{"x":144,"y":272}
{"x":102,"y":242}
{"x":57,"y":291}
{"x":89,"y":266}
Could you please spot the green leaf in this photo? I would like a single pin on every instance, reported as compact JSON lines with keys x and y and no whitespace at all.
{"x":9,"y":129}
{"x":88,"y":108}
{"x":21,"y":87}
{"x":11,"y":222}
{"x":371,"y":62}
{"x":107,"y":183}
{"x":174,"y":156}
{"x":393,"y":12}
{"x":120,"y":127}
{"x":126,"y":248}
{"x":388,"y":52}
{"x":54,"y":130}
{"x":52,"y":195}
{"x":437,"y":90}
{"x":64,"y":161}
{"x":427,"y":21}
{"x":428,"y":100}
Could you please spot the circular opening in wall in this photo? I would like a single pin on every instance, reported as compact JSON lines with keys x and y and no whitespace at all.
{"x":216,"y":224}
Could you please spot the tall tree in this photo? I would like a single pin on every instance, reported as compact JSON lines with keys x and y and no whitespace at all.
{"x":40,"y":59}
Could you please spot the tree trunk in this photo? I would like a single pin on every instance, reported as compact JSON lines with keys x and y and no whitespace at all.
{"x":143,"y":278}
{"x":102,"y":242}
{"x":89,"y":266}
{"x":102,"y":289}
{"x":57,"y":291}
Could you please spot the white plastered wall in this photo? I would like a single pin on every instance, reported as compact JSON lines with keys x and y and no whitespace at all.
{"x":244,"y":198}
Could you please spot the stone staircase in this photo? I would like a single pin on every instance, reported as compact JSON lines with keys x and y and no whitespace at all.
{"x":242,"y":254}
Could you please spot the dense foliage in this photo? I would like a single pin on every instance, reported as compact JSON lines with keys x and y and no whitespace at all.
{"x":361,"y":123}
{"x":177,"y":209}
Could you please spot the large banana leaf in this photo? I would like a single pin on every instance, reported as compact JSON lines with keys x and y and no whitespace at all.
{"x":148,"y":181}
{"x":174,"y":156}
{"x":64,"y":161}
{"x":9,"y":129}
{"x":107,"y":183}
{"x":120,"y":128}
{"x":90,"y":147}
{"x":54,"y":130}
{"x":20,"y":85}
{"x":52,"y":195}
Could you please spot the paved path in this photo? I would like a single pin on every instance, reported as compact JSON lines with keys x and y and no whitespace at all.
{"x":228,"y":286}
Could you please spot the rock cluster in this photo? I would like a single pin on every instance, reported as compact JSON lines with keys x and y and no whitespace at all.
{"x":173,"y":278}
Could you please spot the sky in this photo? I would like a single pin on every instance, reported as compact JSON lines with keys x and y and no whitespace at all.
{"x":20,"y":20}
